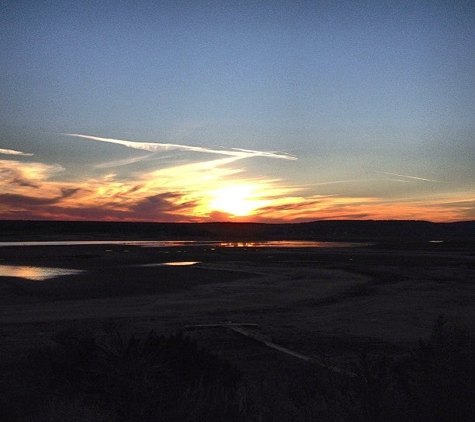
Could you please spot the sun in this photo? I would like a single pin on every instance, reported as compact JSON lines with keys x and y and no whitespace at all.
{"x":239,"y":201}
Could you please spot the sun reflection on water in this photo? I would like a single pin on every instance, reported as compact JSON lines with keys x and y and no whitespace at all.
{"x":34,"y":273}
{"x":287,"y":244}
{"x":172,"y":264}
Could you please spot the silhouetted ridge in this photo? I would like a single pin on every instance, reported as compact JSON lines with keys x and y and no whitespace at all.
{"x":346,"y":230}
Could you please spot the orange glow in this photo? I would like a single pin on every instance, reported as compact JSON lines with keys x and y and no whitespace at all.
{"x":204,"y":191}
{"x":34,"y":273}
{"x":238,"y":200}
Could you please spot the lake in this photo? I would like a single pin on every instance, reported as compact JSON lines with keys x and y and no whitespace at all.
{"x":45,"y":273}
{"x":211,"y":243}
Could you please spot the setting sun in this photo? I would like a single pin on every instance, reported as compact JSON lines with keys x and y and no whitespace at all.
{"x":236,"y":200}
{"x":228,"y":118}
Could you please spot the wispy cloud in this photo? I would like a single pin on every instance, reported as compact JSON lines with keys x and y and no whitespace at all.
{"x":271,"y":154}
{"x":14,"y":200}
{"x":336,"y":182}
{"x":124,"y":162}
{"x":14,"y":152}
{"x":155,"y":147}
{"x":405,"y":176}
{"x":188,"y":195}
{"x":15,"y":173}
{"x":449,"y":207}
{"x":207,"y":189}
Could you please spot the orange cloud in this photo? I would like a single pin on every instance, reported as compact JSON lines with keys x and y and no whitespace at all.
{"x":213,"y":190}
{"x":445,"y":207}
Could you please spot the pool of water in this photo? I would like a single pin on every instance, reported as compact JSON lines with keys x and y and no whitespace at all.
{"x":34,"y":273}
{"x":213,"y":243}
{"x":46,"y":273}
{"x":287,"y":244}
{"x":172,"y":264}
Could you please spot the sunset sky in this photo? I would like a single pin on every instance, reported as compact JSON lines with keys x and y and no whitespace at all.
{"x":246,"y":110}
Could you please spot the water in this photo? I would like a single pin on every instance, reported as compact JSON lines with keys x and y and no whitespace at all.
{"x":172,"y":264}
{"x":42,"y":273}
{"x":45,"y":273}
{"x":212,"y":243}
{"x":288,"y":244}
{"x":34,"y":273}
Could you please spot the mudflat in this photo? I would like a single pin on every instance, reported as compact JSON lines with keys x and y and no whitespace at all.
{"x":314,"y":300}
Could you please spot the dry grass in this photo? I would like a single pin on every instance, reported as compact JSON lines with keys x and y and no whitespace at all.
{"x":145,"y":378}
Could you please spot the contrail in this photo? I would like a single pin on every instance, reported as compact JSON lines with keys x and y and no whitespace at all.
{"x":272,"y":154}
{"x":127,"y":161}
{"x":333,"y":182}
{"x":155,"y":146}
{"x":409,"y":177}
{"x":13,"y":152}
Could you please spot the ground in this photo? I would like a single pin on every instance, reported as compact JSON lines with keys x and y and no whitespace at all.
{"x":317,"y":302}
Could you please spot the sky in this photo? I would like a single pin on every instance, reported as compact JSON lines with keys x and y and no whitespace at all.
{"x":263,"y":111}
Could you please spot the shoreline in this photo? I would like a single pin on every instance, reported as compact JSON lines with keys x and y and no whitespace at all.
{"x":361,"y":292}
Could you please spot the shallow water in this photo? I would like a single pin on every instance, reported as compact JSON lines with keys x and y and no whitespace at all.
{"x":172,"y":264}
{"x":34,"y":273}
{"x":44,"y":273}
{"x":213,"y":243}
{"x":287,"y":244}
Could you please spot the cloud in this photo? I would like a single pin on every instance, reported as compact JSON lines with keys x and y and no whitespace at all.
{"x":124,"y":162}
{"x":16,"y":200}
{"x":16,"y":174}
{"x":68,"y":192}
{"x":271,"y":154}
{"x":408,"y":177}
{"x":196,"y":191}
{"x":25,"y":183}
{"x":14,"y":152}
{"x":162,"y":204}
{"x":452,"y":206}
{"x":155,"y":147}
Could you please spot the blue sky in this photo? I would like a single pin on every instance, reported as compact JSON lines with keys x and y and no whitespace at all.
{"x":374,"y":101}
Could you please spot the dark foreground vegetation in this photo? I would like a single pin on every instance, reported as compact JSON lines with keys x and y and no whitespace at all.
{"x":137,"y":378}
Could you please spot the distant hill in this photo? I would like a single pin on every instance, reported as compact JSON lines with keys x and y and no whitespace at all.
{"x":345,"y":230}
